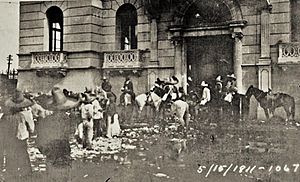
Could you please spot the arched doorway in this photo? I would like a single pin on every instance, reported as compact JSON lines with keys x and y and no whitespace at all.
{"x":210,"y":54}
{"x":208,"y":57}
{"x":207,"y":38}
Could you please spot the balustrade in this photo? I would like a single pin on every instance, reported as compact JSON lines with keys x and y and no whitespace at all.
{"x":122,"y":59}
{"x":49,"y":60}
{"x":289,"y":53}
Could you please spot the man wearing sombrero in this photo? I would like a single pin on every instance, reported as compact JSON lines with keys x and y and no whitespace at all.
{"x":205,"y":93}
{"x":89,"y":112}
{"x":54,"y":131}
{"x":15,"y":126}
{"x":230,"y":87}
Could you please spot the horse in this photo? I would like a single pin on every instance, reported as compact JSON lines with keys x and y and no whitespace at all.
{"x":146,"y":99}
{"x":181,"y":110}
{"x":270,"y":103}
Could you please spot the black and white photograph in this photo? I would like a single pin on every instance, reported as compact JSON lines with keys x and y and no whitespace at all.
{"x":149,"y":90}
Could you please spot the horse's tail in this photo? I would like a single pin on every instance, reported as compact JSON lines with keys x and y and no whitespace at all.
{"x":293,"y":108}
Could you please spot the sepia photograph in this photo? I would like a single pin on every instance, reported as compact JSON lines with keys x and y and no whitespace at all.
{"x":149,"y":90}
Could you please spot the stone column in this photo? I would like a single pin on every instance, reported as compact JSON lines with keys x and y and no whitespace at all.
{"x":178,"y":43}
{"x":238,"y":54}
{"x":154,"y":41}
{"x":264,"y":62}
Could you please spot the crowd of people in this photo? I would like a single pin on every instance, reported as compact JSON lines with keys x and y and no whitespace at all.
{"x":50,"y":117}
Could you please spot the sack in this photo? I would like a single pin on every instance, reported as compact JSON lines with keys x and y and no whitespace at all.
{"x":228,"y":97}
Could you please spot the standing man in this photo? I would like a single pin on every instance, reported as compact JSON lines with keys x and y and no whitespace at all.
{"x":87,"y":114}
{"x":15,"y":127}
{"x":128,"y":88}
{"x":54,"y":133}
{"x":232,"y":96}
{"x":205,"y":93}
{"x":97,"y":111}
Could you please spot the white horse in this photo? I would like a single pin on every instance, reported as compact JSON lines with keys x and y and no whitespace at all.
{"x":151,"y":98}
{"x":181,"y":110}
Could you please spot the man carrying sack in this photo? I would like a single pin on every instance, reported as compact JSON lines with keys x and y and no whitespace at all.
{"x":15,"y":127}
{"x":53,"y":135}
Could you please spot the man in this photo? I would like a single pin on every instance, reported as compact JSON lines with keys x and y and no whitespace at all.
{"x":112,"y":119}
{"x":205,"y":94}
{"x":54,"y":133}
{"x":87,"y":114}
{"x":106,"y":86}
{"x":172,"y":89}
{"x":128,"y":89}
{"x":97,"y":110}
{"x":15,"y":126}
{"x":230,"y":88}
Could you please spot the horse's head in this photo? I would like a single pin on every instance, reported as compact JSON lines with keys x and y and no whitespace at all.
{"x":249,"y":92}
{"x":258,"y":94}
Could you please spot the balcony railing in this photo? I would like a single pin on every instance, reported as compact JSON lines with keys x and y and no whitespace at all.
{"x":289,"y":53}
{"x":49,"y":60}
{"x":123,"y":59}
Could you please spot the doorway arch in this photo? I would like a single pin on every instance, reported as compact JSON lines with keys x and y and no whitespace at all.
{"x":224,"y":21}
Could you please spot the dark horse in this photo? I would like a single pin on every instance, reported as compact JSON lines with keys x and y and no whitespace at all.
{"x":270,"y":102}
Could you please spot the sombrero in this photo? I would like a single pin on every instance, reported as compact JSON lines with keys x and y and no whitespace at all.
{"x":175,"y":79}
{"x":218,"y":79}
{"x":18,"y":101}
{"x":231,"y":76}
{"x":158,"y":81}
{"x":204,"y":84}
{"x":58,"y":101}
{"x":90,"y":91}
{"x":88,"y":98}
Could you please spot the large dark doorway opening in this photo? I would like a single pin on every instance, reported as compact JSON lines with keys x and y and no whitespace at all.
{"x":209,"y":57}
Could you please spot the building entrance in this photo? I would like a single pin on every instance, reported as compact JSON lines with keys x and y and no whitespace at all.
{"x":208,"y":57}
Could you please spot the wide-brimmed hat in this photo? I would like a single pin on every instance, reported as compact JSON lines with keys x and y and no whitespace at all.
{"x":204,"y":84}
{"x":174,"y":79}
{"x":231,"y":76}
{"x":219,"y":79}
{"x":18,"y":101}
{"x":88,"y":98}
{"x":90,"y":91}
{"x":158,"y":81}
{"x":58,"y":101}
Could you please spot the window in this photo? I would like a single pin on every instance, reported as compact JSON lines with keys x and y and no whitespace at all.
{"x":295,"y":20}
{"x":126,"y":34}
{"x":55,"y":23}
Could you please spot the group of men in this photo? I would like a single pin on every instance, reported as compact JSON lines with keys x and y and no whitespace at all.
{"x":50,"y":118}
{"x":99,"y":114}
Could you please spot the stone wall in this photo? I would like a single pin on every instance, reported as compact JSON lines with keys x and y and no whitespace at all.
{"x":82,"y":28}
{"x":90,"y":30}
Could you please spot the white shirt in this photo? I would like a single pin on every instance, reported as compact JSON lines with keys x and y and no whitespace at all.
{"x":97,"y":110}
{"x":205,"y":96}
{"x":87,"y":111}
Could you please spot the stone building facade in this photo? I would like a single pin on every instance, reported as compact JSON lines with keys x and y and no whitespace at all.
{"x":73,"y":44}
